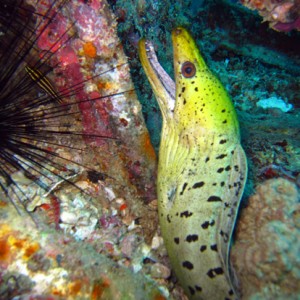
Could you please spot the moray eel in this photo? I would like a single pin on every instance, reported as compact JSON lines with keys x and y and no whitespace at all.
{"x":201,"y":172}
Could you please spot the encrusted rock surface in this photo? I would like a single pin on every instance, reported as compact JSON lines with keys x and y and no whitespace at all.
{"x":265,"y":255}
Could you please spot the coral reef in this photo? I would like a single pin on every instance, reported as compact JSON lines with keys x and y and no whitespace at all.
{"x":90,"y":218}
{"x":40,"y":263}
{"x":109,"y":226}
{"x":265,"y":255}
{"x":90,"y":67}
{"x":281,"y":15}
{"x":93,"y":63}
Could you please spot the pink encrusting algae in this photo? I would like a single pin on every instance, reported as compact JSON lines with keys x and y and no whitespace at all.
{"x":91,"y":57}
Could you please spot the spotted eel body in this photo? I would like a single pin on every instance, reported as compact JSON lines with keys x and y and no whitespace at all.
{"x":202,"y":169}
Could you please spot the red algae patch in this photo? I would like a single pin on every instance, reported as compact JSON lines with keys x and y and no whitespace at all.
{"x":2,"y":204}
{"x":31,"y":249}
{"x":4,"y":250}
{"x":6,"y":253}
{"x":159,"y":297}
{"x":147,"y":146}
{"x":90,"y":49}
{"x":99,"y":288}
{"x":75,"y":287}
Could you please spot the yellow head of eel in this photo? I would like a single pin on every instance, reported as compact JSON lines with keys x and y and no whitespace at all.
{"x":202,"y":169}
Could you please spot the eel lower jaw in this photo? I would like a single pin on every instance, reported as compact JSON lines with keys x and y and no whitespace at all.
{"x":166,"y":81}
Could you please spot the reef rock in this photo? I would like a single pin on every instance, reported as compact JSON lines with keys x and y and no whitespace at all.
{"x":266,"y":253}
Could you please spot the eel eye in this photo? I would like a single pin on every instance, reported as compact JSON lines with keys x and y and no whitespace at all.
{"x":188,"y":69}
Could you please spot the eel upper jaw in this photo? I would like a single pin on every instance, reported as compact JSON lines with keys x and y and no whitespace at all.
{"x":163,"y":85}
